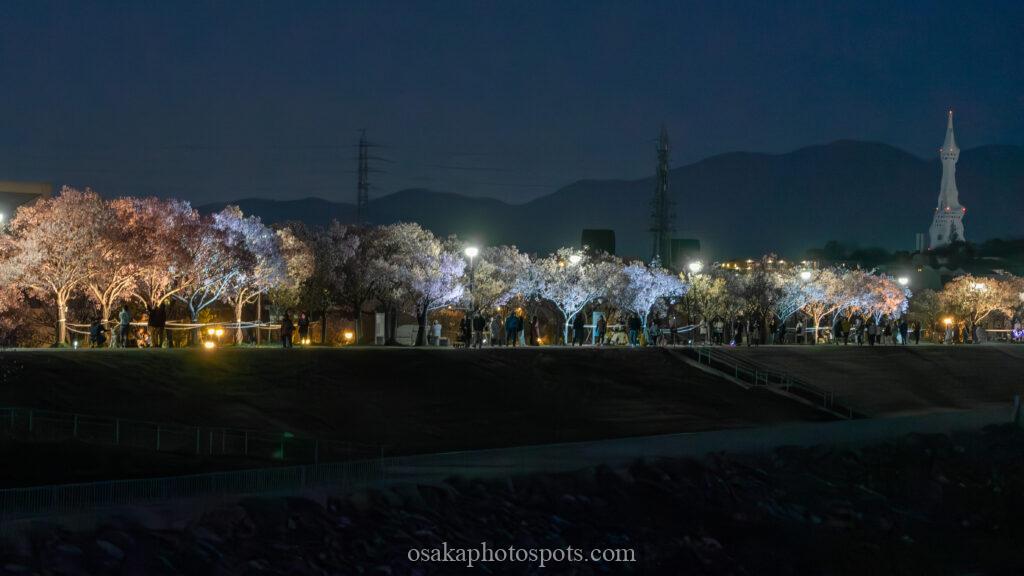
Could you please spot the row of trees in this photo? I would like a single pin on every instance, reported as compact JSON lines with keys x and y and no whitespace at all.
{"x":152,"y":251}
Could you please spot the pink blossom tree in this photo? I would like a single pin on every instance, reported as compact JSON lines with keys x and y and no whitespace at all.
{"x":53,"y":244}
{"x":115,"y":263}
{"x":159,"y":232}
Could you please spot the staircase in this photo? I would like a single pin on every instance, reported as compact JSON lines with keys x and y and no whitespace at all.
{"x":752,"y":374}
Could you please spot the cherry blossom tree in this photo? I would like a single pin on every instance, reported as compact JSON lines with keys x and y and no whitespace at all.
{"x":254,"y":261}
{"x":973,"y":299}
{"x":569,"y":279}
{"x":885,"y":297}
{"x":115,"y":263}
{"x":215,"y":257}
{"x":494,"y":275}
{"x":159,"y":232}
{"x":428,"y":273}
{"x":757,"y":292}
{"x":299,"y":267}
{"x":707,"y":296}
{"x":53,"y":246}
{"x":637,"y":287}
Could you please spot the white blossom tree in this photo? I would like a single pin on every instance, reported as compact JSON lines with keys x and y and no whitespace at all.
{"x":637,"y":287}
{"x":115,"y":263}
{"x":973,"y":299}
{"x":494,"y":274}
{"x":255,"y":262}
{"x":215,"y":257}
{"x":569,"y":279}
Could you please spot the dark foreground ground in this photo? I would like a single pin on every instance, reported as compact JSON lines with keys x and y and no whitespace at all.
{"x":890,"y":380}
{"x":930,"y":504}
{"x":407,"y":400}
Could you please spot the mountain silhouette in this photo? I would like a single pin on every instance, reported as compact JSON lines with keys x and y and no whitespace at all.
{"x":738,"y":204}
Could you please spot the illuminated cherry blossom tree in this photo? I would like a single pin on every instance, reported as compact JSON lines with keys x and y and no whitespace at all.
{"x":494,"y":275}
{"x":253,"y":264}
{"x":115,"y":263}
{"x":159,"y":232}
{"x":569,"y":279}
{"x":427,"y":273}
{"x":215,"y":257}
{"x":53,"y":245}
{"x":637,"y":287}
{"x":973,"y":299}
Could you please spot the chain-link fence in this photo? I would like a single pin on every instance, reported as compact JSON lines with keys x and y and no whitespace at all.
{"x":32,"y":425}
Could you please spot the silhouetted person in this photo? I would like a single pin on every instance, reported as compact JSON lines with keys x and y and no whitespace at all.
{"x":303,"y":328}
{"x":634,"y":325}
{"x":579,"y":329}
{"x":97,"y":333}
{"x":125,"y":322}
{"x":602,"y":329}
{"x":286,"y":331}
{"x":478,"y":331}
{"x":510,"y":330}
{"x":156,"y":324}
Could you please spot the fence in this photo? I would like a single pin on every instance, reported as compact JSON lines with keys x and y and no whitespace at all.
{"x":31,"y":425}
{"x":18,"y":503}
{"x":756,"y":375}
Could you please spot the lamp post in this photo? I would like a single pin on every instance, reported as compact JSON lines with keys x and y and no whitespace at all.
{"x":471,"y":253}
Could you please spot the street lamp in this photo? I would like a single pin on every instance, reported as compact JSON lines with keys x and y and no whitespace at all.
{"x":471,"y":253}
{"x":575,"y":259}
{"x":903,"y":280}
{"x":805,"y":275}
{"x":696,"y":266}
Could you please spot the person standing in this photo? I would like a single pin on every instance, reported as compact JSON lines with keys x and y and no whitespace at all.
{"x":286,"y":331}
{"x":496,"y":330}
{"x":125,"y":323}
{"x":510,"y":330}
{"x":478,"y":331}
{"x":96,"y":333}
{"x":303,"y":328}
{"x":917,"y":332}
{"x":435,"y":333}
{"x":602,"y":329}
{"x":156,"y":323}
{"x":634,"y":326}
{"x":579,"y":329}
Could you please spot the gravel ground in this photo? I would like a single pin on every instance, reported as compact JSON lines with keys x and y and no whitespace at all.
{"x":922,"y":504}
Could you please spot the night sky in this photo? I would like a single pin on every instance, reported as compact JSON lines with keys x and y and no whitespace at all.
{"x":225,"y":100}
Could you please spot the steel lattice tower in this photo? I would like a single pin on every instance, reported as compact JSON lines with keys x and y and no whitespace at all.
{"x":662,"y":210}
{"x":363,"y":186}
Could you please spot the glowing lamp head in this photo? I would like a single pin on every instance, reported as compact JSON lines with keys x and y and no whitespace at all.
{"x":472,"y":251}
{"x":219,"y":332}
{"x":209,"y":345}
{"x":575,"y":259}
{"x":348,"y":335}
{"x":947,"y":321}
{"x":1,"y":217}
{"x":75,"y":344}
{"x":805,"y":275}
{"x":696,"y":266}
{"x":903,"y":280}
{"x":211,"y":331}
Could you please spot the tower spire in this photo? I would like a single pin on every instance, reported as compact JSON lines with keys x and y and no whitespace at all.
{"x":662,"y":214}
{"x":947,"y":224}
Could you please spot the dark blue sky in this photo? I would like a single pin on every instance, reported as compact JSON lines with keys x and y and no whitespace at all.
{"x":223,"y":100}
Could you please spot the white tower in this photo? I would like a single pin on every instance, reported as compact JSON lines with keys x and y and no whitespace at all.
{"x":947,"y":224}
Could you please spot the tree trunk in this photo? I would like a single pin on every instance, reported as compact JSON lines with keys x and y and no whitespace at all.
{"x":323,"y":327}
{"x":62,"y":320}
{"x":421,"y":332}
{"x":194,"y":333}
{"x":238,"y":322}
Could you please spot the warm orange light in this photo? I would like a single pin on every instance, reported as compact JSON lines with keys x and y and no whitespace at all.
{"x":349,"y":335}
{"x":209,"y":345}
{"x":947,"y":321}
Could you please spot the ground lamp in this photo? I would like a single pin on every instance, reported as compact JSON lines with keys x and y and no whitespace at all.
{"x":348,"y":335}
{"x":209,"y":344}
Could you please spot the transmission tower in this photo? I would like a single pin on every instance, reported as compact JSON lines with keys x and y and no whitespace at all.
{"x":363,"y":187}
{"x":662,"y":210}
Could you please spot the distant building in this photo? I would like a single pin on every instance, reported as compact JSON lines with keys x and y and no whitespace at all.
{"x":598,"y":240}
{"x":947,"y":224}
{"x":14,"y":194}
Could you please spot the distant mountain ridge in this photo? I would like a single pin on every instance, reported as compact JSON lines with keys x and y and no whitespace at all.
{"x":738,"y":204}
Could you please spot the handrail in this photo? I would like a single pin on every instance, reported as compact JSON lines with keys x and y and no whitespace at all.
{"x":755,"y":374}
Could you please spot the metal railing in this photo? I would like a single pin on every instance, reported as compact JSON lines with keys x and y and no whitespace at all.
{"x":754,"y":374}
{"x":33,"y":425}
{"x":16,"y":503}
